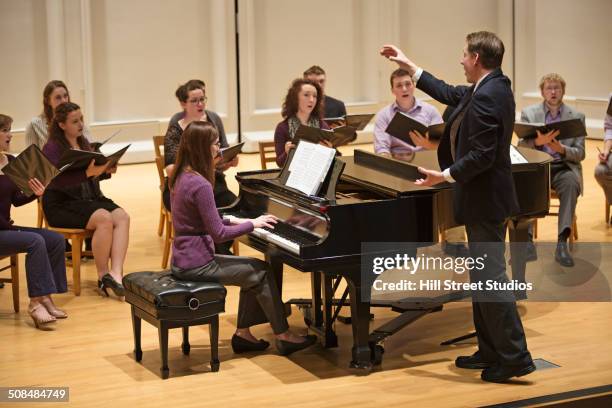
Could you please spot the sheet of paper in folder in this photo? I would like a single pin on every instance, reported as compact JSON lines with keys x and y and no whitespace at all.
{"x":309,"y":166}
{"x":31,"y":163}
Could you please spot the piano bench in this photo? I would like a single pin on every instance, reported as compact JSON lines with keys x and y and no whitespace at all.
{"x":167,"y":303}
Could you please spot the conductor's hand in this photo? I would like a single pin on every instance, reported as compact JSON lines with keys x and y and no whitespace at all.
{"x":432,"y":178}
{"x":393,"y":53}
{"x":95,"y":171}
{"x":36,"y":186}
{"x":423,"y":141}
{"x":265,"y":220}
{"x":545,"y":138}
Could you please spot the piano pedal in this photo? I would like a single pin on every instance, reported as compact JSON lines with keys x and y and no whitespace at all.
{"x":377,"y":354}
{"x":347,"y":319}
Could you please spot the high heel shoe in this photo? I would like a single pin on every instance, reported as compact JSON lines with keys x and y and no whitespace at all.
{"x":241,"y":345}
{"x":54,"y":310}
{"x":287,"y":347}
{"x":37,"y":313}
{"x":109,"y":282}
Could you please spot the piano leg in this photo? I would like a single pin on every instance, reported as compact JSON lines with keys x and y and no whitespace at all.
{"x":330,"y":339}
{"x":518,"y":234}
{"x":315,"y":287}
{"x":360,"y":313}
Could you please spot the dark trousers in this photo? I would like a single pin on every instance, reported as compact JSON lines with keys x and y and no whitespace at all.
{"x":500,"y":333}
{"x":45,"y":264}
{"x":257,"y":285}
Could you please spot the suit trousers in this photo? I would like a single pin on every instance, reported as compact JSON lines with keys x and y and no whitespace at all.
{"x":501,"y":338}
{"x":44,"y":262}
{"x":257,"y":286}
{"x":603,"y":175}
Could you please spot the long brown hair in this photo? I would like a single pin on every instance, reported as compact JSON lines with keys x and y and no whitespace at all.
{"x":194,"y":151}
{"x":49,"y":88}
{"x":57,"y":133}
{"x":291,"y":104}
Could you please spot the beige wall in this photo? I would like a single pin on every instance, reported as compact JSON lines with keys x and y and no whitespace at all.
{"x":122,"y":59}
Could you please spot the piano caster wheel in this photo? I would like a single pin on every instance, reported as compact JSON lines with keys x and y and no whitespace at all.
{"x":214,"y":365}
{"x":377,"y":354}
{"x":165,"y":373}
{"x":186,"y":349}
{"x":138,"y":355}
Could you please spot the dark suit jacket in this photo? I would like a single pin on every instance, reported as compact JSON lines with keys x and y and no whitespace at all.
{"x":484,"y":188}
{"x":334,"y":108}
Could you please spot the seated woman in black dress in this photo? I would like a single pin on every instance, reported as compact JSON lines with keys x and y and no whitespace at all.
{"x":74,"y":199}
{"x":198,"y":226}
{"x":303,"y":106}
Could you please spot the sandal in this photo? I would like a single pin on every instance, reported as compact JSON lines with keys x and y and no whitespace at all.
{"x":41,"y":316}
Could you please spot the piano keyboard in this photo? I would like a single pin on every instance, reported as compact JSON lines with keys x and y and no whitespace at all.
{"x":286,"y":236}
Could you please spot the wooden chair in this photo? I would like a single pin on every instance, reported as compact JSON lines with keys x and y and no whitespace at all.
{"x":158,"y":143}
{"x":267,"y":154}
{"x":574,"y":235}
{"x":76,"y":236}
{"x":40,"y":217}
{"x":14,"y":280}
{"x":608,"y":204}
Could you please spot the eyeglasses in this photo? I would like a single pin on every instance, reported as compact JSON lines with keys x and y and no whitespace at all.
{"x":217,"y":143}
{"x":199,"y":100}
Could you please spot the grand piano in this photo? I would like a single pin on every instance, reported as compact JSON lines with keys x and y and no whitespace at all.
{"x":366,"y":198}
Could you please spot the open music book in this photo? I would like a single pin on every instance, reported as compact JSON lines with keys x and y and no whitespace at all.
{"x":80,"y":159}
{"x":31,"y":163}
{"x":516,"y":157}
{"x":567,"y":128}
{"x":337,"y":137}
{"x":309,"y":167}
{"x":402,"y":124}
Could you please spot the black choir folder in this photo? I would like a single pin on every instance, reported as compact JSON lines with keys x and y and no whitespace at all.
{"x":96,"y":146}
{"x":357,"y":122}
{"x":337,"y":137}
{"x":31,"y":163}
{"x":228,"y":153}
{"x":567,"y":129}
{"x":402,"y":124}
{"x":80,"y":159}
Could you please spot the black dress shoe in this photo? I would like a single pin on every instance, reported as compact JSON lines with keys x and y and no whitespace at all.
{"x":499,"y":373}
{"x":562,"y":254}
{"x":286,"y":347}
{"x":108,"y":281}
{"x":475,"y":361}
{"x":242,"y":345}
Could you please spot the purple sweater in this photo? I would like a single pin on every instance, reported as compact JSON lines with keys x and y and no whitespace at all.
{"x":53,"y":151}
{"x":194,"y":212}
{"x":10,"y":195}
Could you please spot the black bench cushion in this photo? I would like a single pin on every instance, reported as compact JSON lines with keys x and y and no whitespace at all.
{"x":165,"y":297}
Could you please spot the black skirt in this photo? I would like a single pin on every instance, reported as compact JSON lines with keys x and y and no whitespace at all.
{"x":63,"y":211}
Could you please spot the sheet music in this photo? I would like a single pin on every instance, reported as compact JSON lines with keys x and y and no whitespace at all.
{"x":309,"y":167}
{"x":516,"y":157}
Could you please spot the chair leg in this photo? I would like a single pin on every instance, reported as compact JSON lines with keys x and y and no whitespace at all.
{"x":236,"y":247}
{"x":163,"y":348}
{"x":136,"y":324}
{"x":213,"y":329}
{"x":77,"y":243}
{"x":15,"y":281}
{"x":167,"y":244}
{"x":607,"y":212}
{"x":39,"y":218}
{"x":162,"y":220}
{"x":575,"y":228}
{"x":535,"y":228}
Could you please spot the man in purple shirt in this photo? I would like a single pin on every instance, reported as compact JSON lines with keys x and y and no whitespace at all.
{"x":402,"y":88}
{"x":566,"y":170}
{"x":603,"y":170}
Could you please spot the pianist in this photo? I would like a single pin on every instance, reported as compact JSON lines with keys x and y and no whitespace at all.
{"x":303,"y":106}
{"x":197,"y":226}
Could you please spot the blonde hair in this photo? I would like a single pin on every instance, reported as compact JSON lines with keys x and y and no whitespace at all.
{"x":552,"y":77}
